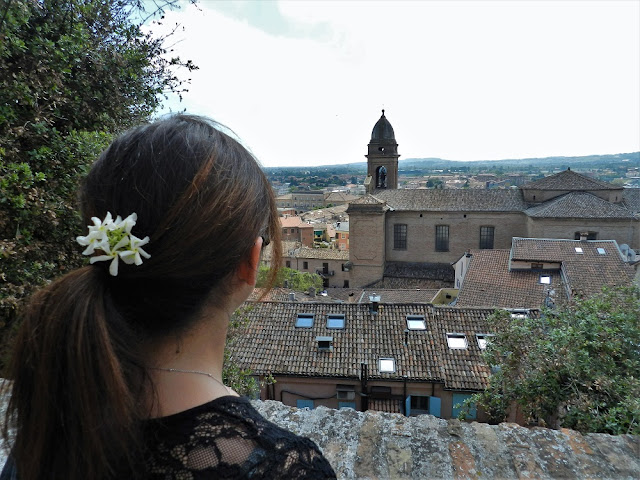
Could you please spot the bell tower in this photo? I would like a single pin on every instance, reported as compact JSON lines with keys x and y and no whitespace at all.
{"x":382,"y":159}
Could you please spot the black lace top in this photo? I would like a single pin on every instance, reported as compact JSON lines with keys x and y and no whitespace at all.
{"x":228,"y":438}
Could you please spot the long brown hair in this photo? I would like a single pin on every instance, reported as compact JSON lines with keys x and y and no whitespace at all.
{"x":78,"y":377}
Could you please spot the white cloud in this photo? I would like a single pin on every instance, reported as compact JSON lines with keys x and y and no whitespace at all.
{"x":459,"y":80}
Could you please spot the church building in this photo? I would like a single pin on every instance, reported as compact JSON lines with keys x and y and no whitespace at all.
{"x":417,"y":234}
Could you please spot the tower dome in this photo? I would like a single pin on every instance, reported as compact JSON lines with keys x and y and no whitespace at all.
{"x":382,"y":131}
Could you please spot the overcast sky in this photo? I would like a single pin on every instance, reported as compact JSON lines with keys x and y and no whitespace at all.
{"x":303,"y":83}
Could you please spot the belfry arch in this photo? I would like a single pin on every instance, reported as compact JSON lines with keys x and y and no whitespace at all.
{"x":382,"y":157}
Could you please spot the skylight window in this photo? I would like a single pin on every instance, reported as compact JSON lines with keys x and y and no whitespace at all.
{"x":579,"y":250}
{"x":387,"y":365}
{"x":545,"y":279}
{"x":416,"y":322}
{"x":335,"y":320}
{"x":602,"y":251}
{"x":304,"y":320}
{"x":457,"y":341}
{"x":483,"y":338}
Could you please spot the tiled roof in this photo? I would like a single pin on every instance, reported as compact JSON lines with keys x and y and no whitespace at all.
{"x":579,"y":205}
{"x":631,"y":197}
{"x":290,"y":222}
{"x":406,"y":295}
{"x":270,"y":343}
{"x":569,"y":180}
{"x":367,"y":200}
{"x":453,"y":200}
{"x":587,"y":272}
{"x":278,"y":294}
{"x":321,"y":253}
{"x":489,"y":283}
{"x":340,"y":197}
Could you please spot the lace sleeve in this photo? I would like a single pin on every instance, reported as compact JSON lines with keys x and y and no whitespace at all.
{"x":227,"y":438}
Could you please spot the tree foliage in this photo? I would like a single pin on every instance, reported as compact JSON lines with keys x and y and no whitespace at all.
{"x":300,"y":281}
{"x":577,"y":368}
{"x":73,"y":73}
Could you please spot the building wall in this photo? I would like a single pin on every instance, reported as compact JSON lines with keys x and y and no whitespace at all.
{"x":314,"y":264}
{"x":464,"y":233}
{"x":538,"y":195}
{"x":323,"y":391}
{"x":366,"y":252}
{"x":622,"y":231}
{"x":306,"y":235}
{"x":343,"y":243}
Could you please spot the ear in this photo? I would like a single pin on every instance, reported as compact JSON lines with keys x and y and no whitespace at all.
{"x":248,"y":269}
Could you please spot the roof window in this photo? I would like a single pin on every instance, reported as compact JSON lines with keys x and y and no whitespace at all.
{"x":602,"y":251}
{"x":457,"y":341}
{"x":545,"y":279}
{"x":335,"y":320}
{"x":579,"y":250}
{"x":482,"y":339}
{"x":416,"y":322}
{"x":325,"y":343}
{"x":304,"y":320}
{"x":387,"y":365}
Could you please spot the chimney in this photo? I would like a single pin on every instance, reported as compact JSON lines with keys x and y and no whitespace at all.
{"x":374,"y":298}
{"x":292,"y":296}
{"x":583,"y":236}
{"x":312,"y":292}
{"x":352,"y":298}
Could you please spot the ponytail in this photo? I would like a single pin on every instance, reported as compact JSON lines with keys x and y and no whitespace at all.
{"x":76,"y":384}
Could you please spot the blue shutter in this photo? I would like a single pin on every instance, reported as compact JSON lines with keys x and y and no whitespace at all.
{"x":458,"y":398}
{"x":434,"y":406}
{"x":304,"y":404}
{"x":407,"y":405}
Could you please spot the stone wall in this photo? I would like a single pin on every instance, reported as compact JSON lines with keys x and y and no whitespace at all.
{"x":376,"y":445}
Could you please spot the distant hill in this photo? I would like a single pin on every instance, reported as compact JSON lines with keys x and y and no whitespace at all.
{"x":417,"y":165}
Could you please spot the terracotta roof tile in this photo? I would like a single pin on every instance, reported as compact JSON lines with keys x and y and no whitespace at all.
{"x":579,"y":205}
{"x":320,"y":253}
{"x":585,"y":273}
{"x":569,"y":180}
{"x":492,"y":281}
{"x":489,"y":283}
{"x":270,"y":343}
{"x":451,"y":200}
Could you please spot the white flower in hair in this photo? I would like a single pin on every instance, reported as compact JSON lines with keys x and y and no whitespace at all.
{"x":135,"y":251}
{"x":114,"y":238}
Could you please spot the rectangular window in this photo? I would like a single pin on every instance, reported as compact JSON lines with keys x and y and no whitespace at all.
{"x":416,"y":322}
{"x":387,"y":365}
{"x":483,"y":338}
{"x":335,"y":320}
{"x":305,"y":265}
{"x":304,"y":320}
{"x":456,"y":341}
{"x":486,"y":237}
{"x":288,"y":263}
{"x":342,"y":405}
{"x":400,"y":236}
{"x":419,"y":402}
{"x":442,"y":238}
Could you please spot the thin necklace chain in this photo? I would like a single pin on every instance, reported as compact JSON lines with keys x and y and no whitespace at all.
{"x":178,"y":370}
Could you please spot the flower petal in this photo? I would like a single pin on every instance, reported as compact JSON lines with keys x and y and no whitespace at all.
{"x":113,"y":268}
